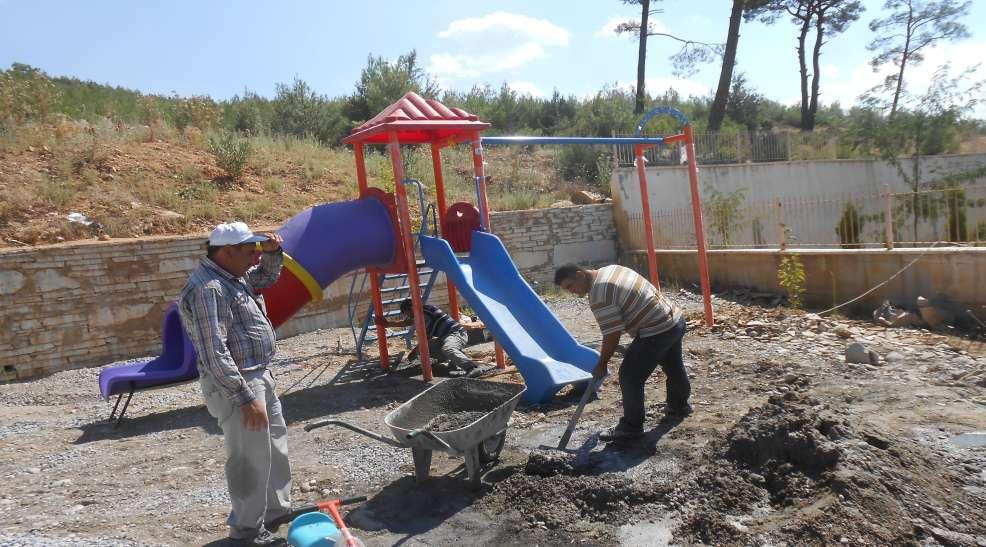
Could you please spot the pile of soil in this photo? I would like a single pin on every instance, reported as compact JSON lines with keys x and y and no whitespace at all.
{"x":791,"y":470}
{"x":450,"y":421}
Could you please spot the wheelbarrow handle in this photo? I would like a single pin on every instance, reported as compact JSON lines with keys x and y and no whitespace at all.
{"x":427,"y":433}
{"x":357,"y":429}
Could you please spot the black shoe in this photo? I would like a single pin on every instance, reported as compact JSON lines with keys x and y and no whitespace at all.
{"x":679,"y":411}
{"x":621,"y":432}
{"x":477,"y":372}
{"x":263,"y":538}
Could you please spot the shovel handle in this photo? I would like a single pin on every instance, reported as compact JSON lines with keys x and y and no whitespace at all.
{"x":589,"y":390}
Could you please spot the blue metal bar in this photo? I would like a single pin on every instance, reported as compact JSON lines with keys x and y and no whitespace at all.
{"x":572,"y":140}
{"x":661,"y":110}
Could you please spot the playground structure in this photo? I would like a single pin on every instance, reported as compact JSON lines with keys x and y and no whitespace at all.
{"x":375,"y":233}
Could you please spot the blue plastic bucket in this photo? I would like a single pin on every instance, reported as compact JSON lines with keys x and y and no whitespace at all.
{"x":313,"y":530}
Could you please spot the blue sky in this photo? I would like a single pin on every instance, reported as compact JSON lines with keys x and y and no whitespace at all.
{"x":220,"y":48}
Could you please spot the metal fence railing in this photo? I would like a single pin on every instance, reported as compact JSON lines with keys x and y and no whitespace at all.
{"x":740,"y":147}
{"x":855,"y":220}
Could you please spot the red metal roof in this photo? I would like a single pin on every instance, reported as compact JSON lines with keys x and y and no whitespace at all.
{"x":417,"y":120}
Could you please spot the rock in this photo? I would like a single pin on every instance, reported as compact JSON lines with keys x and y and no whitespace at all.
{"x":170,"y":215}
{"x":858,"y":353}
{"x":562,"y":203}
{"x":842,"y":331}
{"x":894,"y":357}
{"x":934,"y":316}
{"x":585,"y":197}
{"x":363,"y":519}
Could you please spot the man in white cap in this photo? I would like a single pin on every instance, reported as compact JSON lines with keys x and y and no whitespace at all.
{"x":234,"y":341}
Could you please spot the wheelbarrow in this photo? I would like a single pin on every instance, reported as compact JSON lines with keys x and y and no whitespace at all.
{"x":464,"y":417}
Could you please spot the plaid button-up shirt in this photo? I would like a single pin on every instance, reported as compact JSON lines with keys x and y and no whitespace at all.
{"x":228,"y":324}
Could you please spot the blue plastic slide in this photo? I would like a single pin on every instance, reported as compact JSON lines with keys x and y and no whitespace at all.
{"x":546,"y":354}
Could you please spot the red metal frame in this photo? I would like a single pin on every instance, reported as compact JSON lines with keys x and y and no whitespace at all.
{"x":477,"y":163}
{"x":414,"y":120}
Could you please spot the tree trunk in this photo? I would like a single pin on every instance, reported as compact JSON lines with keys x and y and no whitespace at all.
{"x":638,"y":105}
{"x":815,"y":54}
{"x":903,"y":60}
{"x":804,"y":70}
{"x":718,"y":111}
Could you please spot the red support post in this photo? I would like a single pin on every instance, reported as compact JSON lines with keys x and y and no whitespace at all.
{"x":404,"y":215}
{"x":645,"y":202}
{"x":360,"y":168}
{"x":477,"y":164}
{"x":378,"y":318}
{"x":703,"y":259}
{"x":374,"y":275}
{"x":436,"y":166}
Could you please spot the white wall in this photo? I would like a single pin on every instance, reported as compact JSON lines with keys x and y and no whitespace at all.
{"x":814,"y":193}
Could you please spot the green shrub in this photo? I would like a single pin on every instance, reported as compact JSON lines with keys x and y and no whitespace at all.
{"x":231,"y":153}
{"x":850,"y":226}
{"x":26,"y":93}
{"x":791,"y":278}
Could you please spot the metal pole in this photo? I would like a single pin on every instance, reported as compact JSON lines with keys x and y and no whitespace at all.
{"x":703,"y":259}
{"x":436,"y":166}
{"x":645,"y":205}
{"x":404,"y":215}
{"x":360,"y":168}
{"x":782,"y":237}
{"x":480,"y":171}
{"x":372,"y":272}
{"x":378,"y":317}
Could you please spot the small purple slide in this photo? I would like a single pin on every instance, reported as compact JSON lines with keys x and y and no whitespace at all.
{"x":175,"y":365}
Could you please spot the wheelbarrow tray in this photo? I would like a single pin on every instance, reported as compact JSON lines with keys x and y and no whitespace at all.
{"x":496,"y":400}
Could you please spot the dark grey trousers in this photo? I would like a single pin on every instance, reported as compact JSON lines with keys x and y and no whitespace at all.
{"x":640,"y":361}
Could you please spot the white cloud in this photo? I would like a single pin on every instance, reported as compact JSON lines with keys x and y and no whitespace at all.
{"x":847,"y":89}
{"x":526,"y":88}
{"x":541,"y":30}
{"x":496,"y":42}
{"x":608,"y":30}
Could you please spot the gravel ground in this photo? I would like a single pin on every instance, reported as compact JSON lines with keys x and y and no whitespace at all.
{"x":888,"y":453}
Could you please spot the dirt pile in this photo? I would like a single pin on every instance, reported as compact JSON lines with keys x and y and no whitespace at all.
{"x":560,"y":501}
{"x":450,"y":421}
{"x":793,"y":470}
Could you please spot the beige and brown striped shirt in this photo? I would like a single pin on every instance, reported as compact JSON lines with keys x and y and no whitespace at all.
{"x":623,"y":300}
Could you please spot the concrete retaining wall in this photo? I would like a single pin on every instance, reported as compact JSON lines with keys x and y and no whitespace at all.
{"x":89,"y":303}
{"x":951,"y":277}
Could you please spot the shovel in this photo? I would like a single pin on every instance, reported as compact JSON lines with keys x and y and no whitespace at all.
{"x":589,"y":390}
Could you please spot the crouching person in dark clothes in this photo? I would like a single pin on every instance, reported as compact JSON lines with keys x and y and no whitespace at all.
{"x":446,"y":337}
{"x":624,"y":301}
{"x":234,"y":342}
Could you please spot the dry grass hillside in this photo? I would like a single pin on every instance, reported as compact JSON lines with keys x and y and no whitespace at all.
{"x":136,"y":181}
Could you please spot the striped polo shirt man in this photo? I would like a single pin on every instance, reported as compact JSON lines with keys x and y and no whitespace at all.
{"x":623,"y":300}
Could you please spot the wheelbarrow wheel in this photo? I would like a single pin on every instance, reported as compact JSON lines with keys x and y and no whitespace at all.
{"x":489,"y":449}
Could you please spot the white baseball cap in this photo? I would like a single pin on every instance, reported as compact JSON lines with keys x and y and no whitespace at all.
{"x":233,"y":233}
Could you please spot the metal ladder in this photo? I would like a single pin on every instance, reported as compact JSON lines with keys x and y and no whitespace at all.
{"x":394,"y":288}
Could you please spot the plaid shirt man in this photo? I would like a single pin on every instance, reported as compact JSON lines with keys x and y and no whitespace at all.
{"x":228,"y":323}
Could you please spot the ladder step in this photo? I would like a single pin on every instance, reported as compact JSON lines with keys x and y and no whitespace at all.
{"x":390,"y":334}
{"x":421,"y":272}
{"x":402,"y":288}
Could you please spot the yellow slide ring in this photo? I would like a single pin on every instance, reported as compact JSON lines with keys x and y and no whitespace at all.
{"x":302,"y":275}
